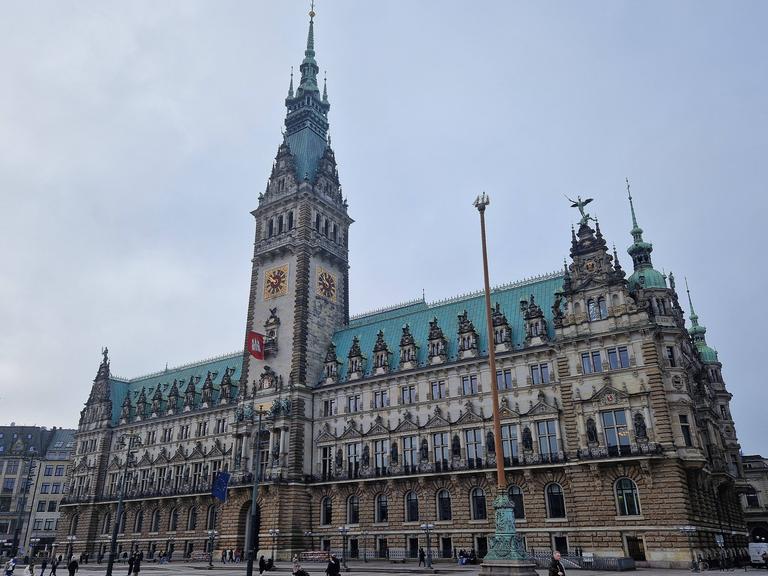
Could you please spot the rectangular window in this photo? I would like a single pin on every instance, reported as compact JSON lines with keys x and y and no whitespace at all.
{"x":438,"y":390}
{"x":540,"y":374}
{"x":469,"y":385}
{"x":38,"y":524}
{"x":380,"y":398}
{"x":615,"y":430}
{"x":618,"y":357}
{"x":474,"y":440}
{"x":685,"y":428}
{"x":329,"y":407}
{"x":752,"y":500}
{"x":55,"y":488}
{"x":591,"y":362}
{"x":381,"y":455}
{"x":12,"y":467}
{"x":407,"y":394}
{"x":509,"y":443}
{"x":52,"y":506}
{"x":49,"y":525}
{"x":45,"y":488}
{"x":353,"y":403}
{"x":326,"y":461}
{"x":41,"y":506}
{"x":671,"y":356}
{"x":48,"y":471}
{"x":441,"y":450}
{"x":410,"y":449}
{"x":221,"y":425}
{"x":547,"y":431}
{"x":504,"y":379}
{"x":353,"y":460}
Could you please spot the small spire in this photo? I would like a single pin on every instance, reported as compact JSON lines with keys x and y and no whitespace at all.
{"x":694,"y":316}
{"x":290,"y":87}
{"x":325,"y":86}
{"x":637,"y":232}
{"x":616,"y":263}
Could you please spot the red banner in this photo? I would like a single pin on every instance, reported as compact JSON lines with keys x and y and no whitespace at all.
{"x":256,"y":345}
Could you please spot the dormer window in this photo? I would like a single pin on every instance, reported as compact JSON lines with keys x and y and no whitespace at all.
{"x":597,"y":309}
{"x":335,"y":233}
{"x":281,"y":184}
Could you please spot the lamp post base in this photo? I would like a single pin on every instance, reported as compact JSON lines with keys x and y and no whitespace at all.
{"x":507,"y":568}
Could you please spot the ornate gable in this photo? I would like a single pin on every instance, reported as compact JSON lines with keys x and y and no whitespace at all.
{"x":198,"y":451}
{"x":162,"y":458}
{"x":406,"y":424}
{"x":608,"y":395}
{"x":114,"y":465}
{"x":324,"y":437}
{"x":505,"y":411}
{"x":378,"y":428}
{"x":468,"y":415}
{"x":437,"y":420}
{"x":351,"y":430}
{"x":145,"y":459}
{"x":179,"y":456}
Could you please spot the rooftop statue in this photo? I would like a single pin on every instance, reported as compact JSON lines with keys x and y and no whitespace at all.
{"x":579,"y":203}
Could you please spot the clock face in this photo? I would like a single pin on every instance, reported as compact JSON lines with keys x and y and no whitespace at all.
{"x":275,"y":282}
{"x":326,"y":284}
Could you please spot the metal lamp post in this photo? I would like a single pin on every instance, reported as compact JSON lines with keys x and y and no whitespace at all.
{"x":33,"y":542}
{"x":274,"y":533}
{"x":251,"y":544}
{"x":168,"y":543}
{"x":427,"y":530}
{"x":132,"y":442}
{"x":211,"y":537}
{"x":364,"y":534}
{"x":344,"y":530}
{"x":505,"y":555}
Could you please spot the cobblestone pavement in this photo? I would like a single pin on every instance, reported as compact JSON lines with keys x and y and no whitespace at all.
{"x":356,"y":569}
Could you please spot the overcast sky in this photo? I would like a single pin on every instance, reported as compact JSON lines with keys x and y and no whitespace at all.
{"x":136,"y":136}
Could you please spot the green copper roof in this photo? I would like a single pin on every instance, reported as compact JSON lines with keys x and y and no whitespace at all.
{"x":698,"y":333}
{"x":646,"y":277}
{"x":418,"y":315}
{"x":120,"y":387}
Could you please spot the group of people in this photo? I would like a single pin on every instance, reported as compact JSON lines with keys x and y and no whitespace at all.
{"x":29,"y":569}
{"x":134,"y":563}
{"x":467,"y":557}
{"x":229,"y":556}
{"x":265,"y":564}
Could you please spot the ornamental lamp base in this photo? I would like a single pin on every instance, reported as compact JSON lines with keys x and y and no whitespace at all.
{"x":507,"y":568}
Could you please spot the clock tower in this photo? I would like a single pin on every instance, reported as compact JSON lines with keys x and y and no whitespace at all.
{"x":299,"y":288}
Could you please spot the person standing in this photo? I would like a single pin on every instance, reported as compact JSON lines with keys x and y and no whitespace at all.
{"x":130,"y":565}
{"x":262,"y":564}
{"x":54,"y":564}
{"x":72,"y":566}
{"x":422,"y":557}
{"x":137,"y":564}
{"x":29,"y":570}
{"x":44,"y":566}
{"x":556,"y":567}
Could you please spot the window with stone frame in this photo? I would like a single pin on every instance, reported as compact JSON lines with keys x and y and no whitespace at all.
{"x":540,"y":374}
{"x":615,"y":431}
{"x":411,"y":507}
{"x":685,"y":429}
{"x":326,"y":511}
{"x":591,"y":362}
{"x":326,"y":462}
{"x":138,"y":522}
{"x":509,"y":443}
{"x":381,"y":455}
{"x":752,"y":499}
{"x":618,"y":357}
{"x":547,"y":433}
{"x":441,"y":449}
{"x":173,"y":520}
{"x":408,"y":394}
{"x":555,"y":500}
{"x":410,"y":451}
{"x":382,"y":509}
{"x":444,"y":511}
{"x":354,"y":403}
{"x":381,"y":398}
{"x":192,"y":518}
{"x":154,"y":523}
{"x":353,"y":459}
{"x":627,"y":498}
{"x":106,"y":523}
{"x":515,"y":494}
{"x":329,"y":407}
{"x":478,"y":504}
{"x":469,"y":384}
{"x":504,"y":379}
{"x":438,"y":390}
{"x":473,"y":440}
{"x":210,"y":517}
{"x":353,"y":510}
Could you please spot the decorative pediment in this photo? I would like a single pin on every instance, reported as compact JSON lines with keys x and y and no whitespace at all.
{"x":114,"y":465}
{"x":542,"y":408}
{"x":378,"y":428}
{"x":469,"y":417}
{"x":162,"y":458}
{"x":505,"y":411}
{"x":351,"y":430}
{"x":609,"y":395}
{"x":145,"y":459}
{"x":82,"y":466}
{"x":325,"y":437}
{"x":215,"y":450}
{"x":437,"y":420}
{"x":406,"y":424}
{"x":198,"y":451}
{"x":179,"y":456}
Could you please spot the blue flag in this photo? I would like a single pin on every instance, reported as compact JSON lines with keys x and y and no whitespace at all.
{"x":220,"y":486}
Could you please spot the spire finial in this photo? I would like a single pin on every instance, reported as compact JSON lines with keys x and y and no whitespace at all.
{"x":290,"y":86}
{"x":690,"y":302}
{"x":312,"y":9}
{"x":632,"y":207}
{"x":325,"y":86}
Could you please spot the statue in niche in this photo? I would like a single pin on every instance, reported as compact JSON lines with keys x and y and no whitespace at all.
{"x":456,"y":446}
{"x":527,"y":439}
{"x":393,"y":455}
{"x":490,"y":443}
{"x":366,"y":461}
{"x":641,"y":430}
{"x":591,"y":431}
{"x":339,"y":458}
{"x":424,"y":450}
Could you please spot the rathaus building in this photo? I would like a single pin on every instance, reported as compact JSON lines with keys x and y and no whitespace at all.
{"x":616,"y":426}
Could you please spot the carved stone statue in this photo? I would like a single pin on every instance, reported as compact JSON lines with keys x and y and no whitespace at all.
{"x":591,"y":431}
{"x":490,"y":443}
{"x":641,"y":430}
{"x":393,"y":455}
{"x":527,"y":439}
{"x":366,"y":460}
{"x":456,"y":446}
{"x":339,"y":458}
{"x":424,"y":450}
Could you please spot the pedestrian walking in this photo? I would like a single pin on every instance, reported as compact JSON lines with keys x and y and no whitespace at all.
{"x":72,"y":566}
{"x":137,"y":564}
{"x":130,"y":565}
{"x":262,"y":564}
{"x":29,"y":570}
{"x":422,"y":557}
{"x":44,"y":566}
{"x":334,"y":566}
{"x":54,"y":565}
{"x":556,"y":567}
{"x":10,"y":566}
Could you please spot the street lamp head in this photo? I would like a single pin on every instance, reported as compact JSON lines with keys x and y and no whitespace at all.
{"x":482,"y":201}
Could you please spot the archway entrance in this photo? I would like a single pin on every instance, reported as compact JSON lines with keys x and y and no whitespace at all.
{"x":244,"y":528}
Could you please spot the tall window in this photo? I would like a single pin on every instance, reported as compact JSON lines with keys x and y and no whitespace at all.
{"x":121,"y":523}
{"x":106,"y":525}
{"x":410,"y":448}
{"x":290,"y":220}
{"x":516,"y":496}
{"x":407,"y":394}
{"x":380,"y":455}
{"x":444,"y":505}
{"x":329,"y":407}
{"x":210,"y":519}
{"x":380,"y":399}
{"x":671,"y":356}
{"x":382,"y":508}
{"x":591,"y":362}
{"x":618,"y":357}
{"x":469,"y":385}
{"x":154,"y":523}
{"x":326,"y":511}
{"x":173,"y":520}
{"x":547,"y":431}
{"x":353,"y":510}
{"x":509,"y":442}
{"x":353,"y":459}
{"x":441,"y":445}
{"x":685,"y":428}
{"x":504,"y":379}
{"x":192,"y":519}
{"x":555,"y":501}
{"x":138,"y":521}
{"x":540,"y":373}
{"x":477,"y":504}
{"x":411,"y":507}
{"x":627,"y":500}
{"x":326,"y":461}
{"x":474,"y":442}
{"x":354,"y":403}
{"x":438,"y":390}
{"x":615,"y":429}
{"x":597,"y":309}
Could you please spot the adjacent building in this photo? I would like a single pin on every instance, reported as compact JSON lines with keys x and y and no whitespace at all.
{"x":29,"y":501}
{"x":616,"y":426}
{"x":755,"y":498}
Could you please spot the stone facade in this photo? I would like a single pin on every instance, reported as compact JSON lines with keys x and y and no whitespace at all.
{"x":616,"y":429}
{"x":755,"y":497}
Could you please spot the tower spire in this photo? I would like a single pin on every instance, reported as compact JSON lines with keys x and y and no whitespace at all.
{"x":644,"y":275}
{"x":698,"y":333}
{"x":637,"y":232}
{"x":694,"y":317}
{"x":325,"y":87}
{"x":290,"y":86}
{"x":309,"y":67}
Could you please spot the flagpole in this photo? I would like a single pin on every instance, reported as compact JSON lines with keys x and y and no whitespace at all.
{"x":254,"y":496}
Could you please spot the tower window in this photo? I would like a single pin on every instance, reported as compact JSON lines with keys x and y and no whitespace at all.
{"x":335,"y":233}
{"x":270,"y":228}
{"x":685,"y":429}
{"x":290,"y":220}
{"x":280,"y":224}
{"x":317,"y":222}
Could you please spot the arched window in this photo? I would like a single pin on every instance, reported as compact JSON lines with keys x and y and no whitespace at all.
{"x":592,"y":310}
{"x":154,"y":523}
{"x":326,"y":511}
{"x":280,"y":224}
{"x":192,"y":519}
{"x":173,"y":520}
{"x":138,"y":521}
{"x":73,"y":524}
{"x":210,"y":520}
{"x":382,"y":508}
{"x":477,"y":504}
{"x":627,"y":499}
{"x":444,"y":505}
{"x":411,"y":507}
{"x":555,"y":501}
{"x":317,"y":222}
{"x":121,"y":523}
{"x":106,"y":524}
{"x":602,"y":307}
{"x":516,"y":497}
{"x":353,"y":510}
{"x":290,"y":220}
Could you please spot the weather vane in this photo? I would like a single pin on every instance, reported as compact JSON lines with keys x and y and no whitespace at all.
{"x":312,"y":9}
{"x":579,"y":203}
